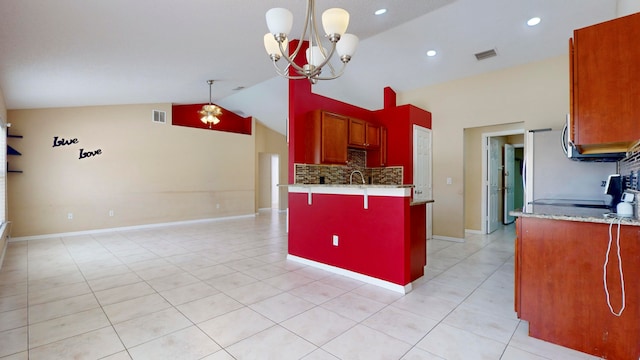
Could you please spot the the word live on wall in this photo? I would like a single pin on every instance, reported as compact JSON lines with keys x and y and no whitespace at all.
{"x":83,"y":154}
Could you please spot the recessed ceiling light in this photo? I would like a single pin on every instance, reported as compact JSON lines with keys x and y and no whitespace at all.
{"x":533,"y":21}
{"x":380,"y":11}
{"x":432,"y":53}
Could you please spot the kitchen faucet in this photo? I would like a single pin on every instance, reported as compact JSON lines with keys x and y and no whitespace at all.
{"x":351,"y":176}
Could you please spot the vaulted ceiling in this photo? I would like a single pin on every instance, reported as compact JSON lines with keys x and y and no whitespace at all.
{"x":77,"y":53}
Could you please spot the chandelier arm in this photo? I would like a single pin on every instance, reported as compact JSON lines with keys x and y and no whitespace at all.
{"x":285,"y":72}
{"x":326,"y":61}
{"x":309,"y":16}
{"x":333,"y":75}
{"x":290,"y":60}
{"x":323,"y":51}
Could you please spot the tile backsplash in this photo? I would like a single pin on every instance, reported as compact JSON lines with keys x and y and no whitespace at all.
{"x":629,"y":168}
{"x":340,"y":174}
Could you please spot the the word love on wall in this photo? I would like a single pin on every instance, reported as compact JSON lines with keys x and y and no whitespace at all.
{"x":60,"y":141}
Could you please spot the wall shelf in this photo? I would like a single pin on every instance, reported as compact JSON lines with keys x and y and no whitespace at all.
{"x":13,"y":152}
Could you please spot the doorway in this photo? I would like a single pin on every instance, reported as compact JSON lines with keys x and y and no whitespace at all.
{"x":268,"y":196}
{"x":502,"y":175}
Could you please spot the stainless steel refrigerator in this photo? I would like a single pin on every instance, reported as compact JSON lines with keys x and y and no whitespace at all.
{"x":550,"y":176}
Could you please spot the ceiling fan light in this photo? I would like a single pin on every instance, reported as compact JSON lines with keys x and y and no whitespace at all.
{"x":347,"y":45}
{"x":279,"y":21}
{"x":210,"y":112}
{"x":335,"y":21}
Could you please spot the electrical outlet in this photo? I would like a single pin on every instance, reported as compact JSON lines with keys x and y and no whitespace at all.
{"x":70,"y":216}
{"x":335,"y":240}
{"x":217,"y":206}
{"x":110,"y":212}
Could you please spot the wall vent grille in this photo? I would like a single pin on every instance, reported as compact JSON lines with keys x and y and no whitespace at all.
{"x":159,"y":117}
{"x":486,"y":54}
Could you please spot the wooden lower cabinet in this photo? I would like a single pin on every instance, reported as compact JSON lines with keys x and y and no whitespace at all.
{"x":560,"y":289}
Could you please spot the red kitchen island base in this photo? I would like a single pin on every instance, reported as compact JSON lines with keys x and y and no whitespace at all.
{"x":371,"y":233}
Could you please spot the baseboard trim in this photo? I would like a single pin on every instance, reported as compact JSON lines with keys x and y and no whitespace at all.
{"x":4,"y":235}
{"x":448,"y":238}
{"x":125,"y":228}
{"x":353,"y":275}
{"x":471,"y":231}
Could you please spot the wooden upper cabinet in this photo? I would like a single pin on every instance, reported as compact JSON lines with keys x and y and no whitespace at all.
{"x":357,"y":133}
{"x":363,"y":134}
{"x":373,"y":135}
{"x":383,"y":146}
{"x":327,"y":138}
{"x":605,"y":83}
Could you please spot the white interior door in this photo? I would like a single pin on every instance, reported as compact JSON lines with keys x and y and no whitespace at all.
{"x":493,"y":184}
{"x":422,"y":168}
{"x":509,"y":182}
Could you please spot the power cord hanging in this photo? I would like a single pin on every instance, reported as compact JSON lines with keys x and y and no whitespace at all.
{"x":606,"y":261}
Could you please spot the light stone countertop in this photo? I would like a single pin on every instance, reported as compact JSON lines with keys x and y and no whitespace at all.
{"x":575,"y":214}
{"x":396,"y":186}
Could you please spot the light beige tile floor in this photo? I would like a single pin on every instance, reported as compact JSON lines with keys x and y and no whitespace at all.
{"x":224,"y":290}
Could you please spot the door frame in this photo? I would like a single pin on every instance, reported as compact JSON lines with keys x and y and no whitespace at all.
{"x":429,"y":179}
{"x":485,"y":164}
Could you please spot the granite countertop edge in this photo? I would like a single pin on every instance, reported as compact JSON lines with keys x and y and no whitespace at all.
{"x":351,"y":185}
{"x":592,"y":219}
{"x":421,"y":202}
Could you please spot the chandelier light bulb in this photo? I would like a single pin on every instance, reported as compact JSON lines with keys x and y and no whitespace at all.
{"x":273,"y":47}
{"x":314,"y":56}
{"x":279,"y":21}
{"x":347,"y":45}
{"x":335,"y":21}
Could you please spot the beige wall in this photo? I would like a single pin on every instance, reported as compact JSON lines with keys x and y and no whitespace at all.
{"x":147,"y":173}
{"x":536,"y":94}
{"x":269,"y":142}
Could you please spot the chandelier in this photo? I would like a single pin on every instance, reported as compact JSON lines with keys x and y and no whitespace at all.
{"x":334,"y":22}
{"x":209,"y":113}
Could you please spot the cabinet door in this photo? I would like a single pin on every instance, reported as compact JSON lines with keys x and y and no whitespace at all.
{"x":334,"y":139}
{"x":357,"y":133}
{"x":383,"y":146}
{"x":605,"y":93}
{"x":373,"y":136}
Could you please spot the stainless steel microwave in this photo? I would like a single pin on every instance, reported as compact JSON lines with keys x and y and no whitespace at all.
{"x":573,"y":153}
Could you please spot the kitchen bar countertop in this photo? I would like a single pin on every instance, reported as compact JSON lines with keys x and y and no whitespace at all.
{"x":574,"y":213}
{"x":351,"y":185}
{"x":402,"y":190}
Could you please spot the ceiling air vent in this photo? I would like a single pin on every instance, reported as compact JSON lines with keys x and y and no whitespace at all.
{"x":159,"y":117}
{"x":486,"y":54}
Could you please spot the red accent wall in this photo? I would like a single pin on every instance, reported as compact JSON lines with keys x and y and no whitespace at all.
{"x":374,"y":241}
{"x":399,"y":121}
{"x":187,"y":115}
{"x":386,"y":241}
{"x":301,"y":101}
{"x":418,"y":252}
